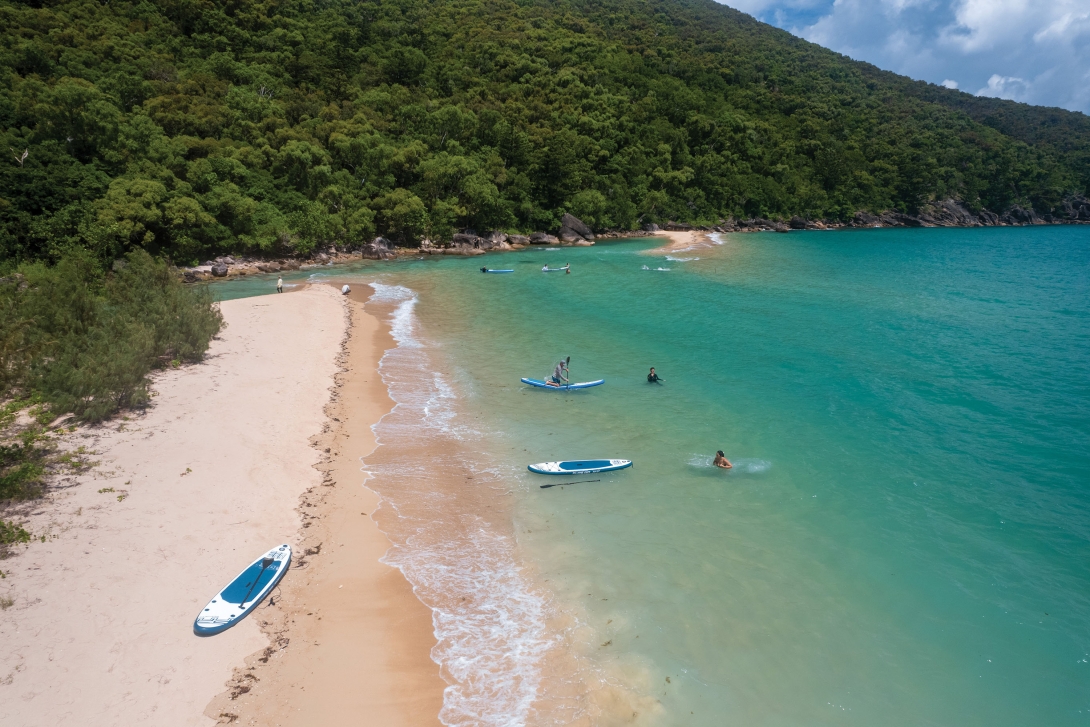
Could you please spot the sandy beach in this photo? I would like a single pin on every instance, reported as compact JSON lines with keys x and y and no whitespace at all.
{"x":678,"y":241}
{"x":234,"y":456}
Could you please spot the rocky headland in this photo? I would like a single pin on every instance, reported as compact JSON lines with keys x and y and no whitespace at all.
{"x":574,"y":232}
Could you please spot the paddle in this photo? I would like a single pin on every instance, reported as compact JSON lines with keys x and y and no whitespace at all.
{"x":265,"y":563}
{"x":561,"y":484}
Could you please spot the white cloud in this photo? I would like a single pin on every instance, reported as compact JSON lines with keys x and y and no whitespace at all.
{"x":949,"y":84}
{"x":1008,"y":87}
{"x":1037,"y":51}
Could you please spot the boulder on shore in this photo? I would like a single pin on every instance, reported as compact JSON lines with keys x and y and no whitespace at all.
{"x":569,"y":235}
{"x":219,"y":270}
{"x":495,"y":240}
{"x":542,"y":238}
{"x":378,"y":249}
{"x":576,"y":225}
{"x":518,"y":240}
{"x":650,"y":227}
{"x":1019,"y":216}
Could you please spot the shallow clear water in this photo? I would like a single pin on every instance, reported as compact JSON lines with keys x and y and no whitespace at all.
{"x":905,"y":536}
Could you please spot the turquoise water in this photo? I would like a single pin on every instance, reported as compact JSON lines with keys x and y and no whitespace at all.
{"x":905,"y":536}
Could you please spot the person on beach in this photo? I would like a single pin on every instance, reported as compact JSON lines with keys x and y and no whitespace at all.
{"x":279,"y":285}
{"x":560,"y":373}
{"x":345,"y":290}
{"x":721,"y":460}
{"x":653,"y":378}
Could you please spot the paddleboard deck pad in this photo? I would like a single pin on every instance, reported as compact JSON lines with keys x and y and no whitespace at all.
{"x":563,"y":387}
{"x":579,"y":466}
{"x":242,"y":595}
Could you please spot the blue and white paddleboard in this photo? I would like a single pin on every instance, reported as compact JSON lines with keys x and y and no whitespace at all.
{"x":241,"y":595}
{"x":553,"y":270}
{"x":497,"y":271}
{"x":563,"y":387}
{"x":579,"y":466}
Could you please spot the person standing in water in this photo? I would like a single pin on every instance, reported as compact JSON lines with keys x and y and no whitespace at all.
{"x":567,"y":268}
{"x":653,"y":378}
{"x":279,"y":284}
{"x":721,"y":460}
{"x":560,"y":373}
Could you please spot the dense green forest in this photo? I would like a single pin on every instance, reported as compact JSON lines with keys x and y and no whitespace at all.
{"x":197,"y":127}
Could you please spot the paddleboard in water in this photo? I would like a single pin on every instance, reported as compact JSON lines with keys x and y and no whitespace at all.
{"x":579,"y":466}
{"x":241,"y":595}
{"x":553,"y":270}
{"x":487,"y":270}
{"x":563,"y":387}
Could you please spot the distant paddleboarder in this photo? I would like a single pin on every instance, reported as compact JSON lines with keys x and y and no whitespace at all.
{"x":560,"y":373}
{"x":653,"y":378}
{"x":721,"y":460}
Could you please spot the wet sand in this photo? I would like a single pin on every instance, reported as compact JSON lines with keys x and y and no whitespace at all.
{"x":349,"y":642}
{"x":223,"y":466}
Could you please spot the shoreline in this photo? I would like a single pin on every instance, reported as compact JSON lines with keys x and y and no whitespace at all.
{"x":344,"y":613}
{"x":186,"y":492}
{"x":257,"y":445}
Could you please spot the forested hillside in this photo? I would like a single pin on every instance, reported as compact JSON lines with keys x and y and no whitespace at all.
{"x":198,"y":127}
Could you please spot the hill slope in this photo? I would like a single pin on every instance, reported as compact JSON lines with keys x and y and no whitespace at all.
{"x":196,"y":127}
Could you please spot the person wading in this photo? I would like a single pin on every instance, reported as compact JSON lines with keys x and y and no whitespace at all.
{"x":653,"y":378}
{"x":279,"y":285}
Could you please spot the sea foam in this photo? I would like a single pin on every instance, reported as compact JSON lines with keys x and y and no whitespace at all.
{"x":489,"y":620}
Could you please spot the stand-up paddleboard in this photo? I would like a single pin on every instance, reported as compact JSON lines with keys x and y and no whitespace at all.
{"x":553,"y":270}
{"x":489,"y":270}
{"x":579,"y":466}
{"x":241,"y":595}
{"x":563,"y":387}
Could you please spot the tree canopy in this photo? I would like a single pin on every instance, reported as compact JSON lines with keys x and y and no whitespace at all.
{"x":192,"y":128}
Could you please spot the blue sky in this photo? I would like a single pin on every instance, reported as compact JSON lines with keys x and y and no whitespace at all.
{"x":1036,"y":51}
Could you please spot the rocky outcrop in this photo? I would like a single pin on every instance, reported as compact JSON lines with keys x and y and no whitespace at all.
{"x":650,"y":227}
{"x":543,"y":238}
{"x":219,"y":270}
{"x":573,"y":231}
{"x":519,"y":240}
{"x":379,"y":249}
{"x":1018,"y":216}
{"x":495,"y":240}
{"x":576,"y":225}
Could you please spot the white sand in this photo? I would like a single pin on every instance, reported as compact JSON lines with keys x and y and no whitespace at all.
{"x":101,"y":629}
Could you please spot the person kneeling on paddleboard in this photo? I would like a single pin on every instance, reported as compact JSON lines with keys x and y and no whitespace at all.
{"x":560,"y":373}
{"x":653,"y":378}
{"x":721,"y":460}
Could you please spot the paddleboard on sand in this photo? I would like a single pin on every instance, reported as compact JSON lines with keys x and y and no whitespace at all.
{"x":563,"y":387}
{"x":241,"y":595}
{"x":579,"y":466}
{"x":487,"y":270}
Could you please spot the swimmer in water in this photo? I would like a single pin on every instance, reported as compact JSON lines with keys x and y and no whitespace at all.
{"x":721,"y":460}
